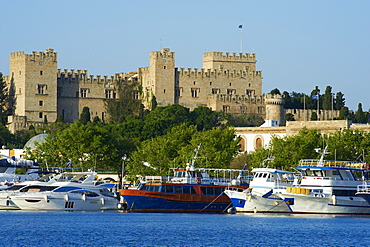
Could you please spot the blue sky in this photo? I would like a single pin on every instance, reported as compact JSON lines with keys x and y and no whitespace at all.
{"x":299,"y":44}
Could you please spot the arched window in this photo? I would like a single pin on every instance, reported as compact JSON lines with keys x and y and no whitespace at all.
{"x":259,"y":143}
{"x":243,"y":145}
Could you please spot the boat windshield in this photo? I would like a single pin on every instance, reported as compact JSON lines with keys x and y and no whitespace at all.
{"x":38,"y":188}
{"x":66,"y":189}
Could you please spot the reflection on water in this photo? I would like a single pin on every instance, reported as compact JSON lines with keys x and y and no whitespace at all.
{"x":150,"y":229}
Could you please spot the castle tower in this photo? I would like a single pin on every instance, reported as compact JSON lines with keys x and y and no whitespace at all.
{"x":275,"y":112}
{"x":234,"y":63}
{"x":227,"y":61}
{"x":33,"y":81}
{"x":159,"y":78}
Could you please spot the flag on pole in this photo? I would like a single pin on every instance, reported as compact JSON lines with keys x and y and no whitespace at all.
{"x":315,"y":96}
{"x":240,"y":26}
{"x":69,"y":163}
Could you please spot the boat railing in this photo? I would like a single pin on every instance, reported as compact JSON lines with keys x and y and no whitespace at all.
{"x":363,"y":188}
{"x":333,"y":163}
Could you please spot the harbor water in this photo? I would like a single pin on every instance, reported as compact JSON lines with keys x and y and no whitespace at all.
{"x":113,"y":228}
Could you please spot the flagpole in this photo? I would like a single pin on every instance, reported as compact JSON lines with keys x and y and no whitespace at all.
{"x":241,"y":38}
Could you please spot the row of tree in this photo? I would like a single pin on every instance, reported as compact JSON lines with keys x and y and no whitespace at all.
{"x":326,"y":101}
{"x":317,"y":101}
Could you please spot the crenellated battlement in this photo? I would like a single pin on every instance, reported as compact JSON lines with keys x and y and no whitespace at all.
{"x":82,"y":76}
{"x":48,"y":54}
{"x":213,"y":73}
{"x":274,"y":99}
{"x":230,"y":57}
{"x":241,"y":99}
{"x":163,"y":53}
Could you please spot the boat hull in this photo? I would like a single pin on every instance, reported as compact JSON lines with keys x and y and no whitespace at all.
{"x":6,"y":204}
{"x":307,"y":204}
{"x":63,"y":203}
{"x":148,"y":201}
{"x":364,"y":195}
{"x":244,"y":202}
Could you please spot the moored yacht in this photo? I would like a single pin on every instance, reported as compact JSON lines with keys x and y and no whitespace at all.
{"x":260,"y":196}
{"x":191,"y":190}
{"x":69,"y":191}
{"x":327,"y":187}
{"x":9,"y":167}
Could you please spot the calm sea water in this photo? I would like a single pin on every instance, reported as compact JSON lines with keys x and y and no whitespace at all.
{"x":150,"y":229}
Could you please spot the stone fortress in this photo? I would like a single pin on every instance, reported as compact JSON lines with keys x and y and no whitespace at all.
{"x":227,"y":82}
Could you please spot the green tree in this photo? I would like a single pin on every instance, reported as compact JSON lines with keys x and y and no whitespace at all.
{"x":313,"y":116}
{"x":339,"y":101}
{"x":348,"y":144}
{"x":5,"y":136}
{"x":126,"y":104}
{"x":163,"y":118}
{"x":87,"y":146}
{"x":45,"y":119}
{"x":275,"y":91}
{"x":344,"y":113}
{"x":360,"y":116}
{"x":289,"y":117}
{"x":286,"y":152}
{"x":204,"y":118}
{"x":4,"y":100}
{"x":245,"y":120}
{"x":327,"y":99}
{"x":155,"y":156}
{"x":85,"y":115}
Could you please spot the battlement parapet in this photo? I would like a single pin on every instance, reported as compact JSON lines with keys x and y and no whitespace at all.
{"x":82,"y":76}
{"x":213,"y":73}
{"x":234,"y":98}
{"x":163,"y":53}
{"x":230,"y":57}
{"x":48,"y":54}
{"x":274,"y":99}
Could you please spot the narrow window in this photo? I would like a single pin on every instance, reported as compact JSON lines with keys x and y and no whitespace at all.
{"x":215,"y":90}
{"x":231,"y":91}
{"x":41,"y":103}
{"x":41,"y":89}
{"x":108,"y":94}
{"x":83,"y":93}
{"x":40,"y":72}
{"x":136,"y":95}
{"x":164,"y":67}
{"x":194,"y":92}
{"x":40,"y":114}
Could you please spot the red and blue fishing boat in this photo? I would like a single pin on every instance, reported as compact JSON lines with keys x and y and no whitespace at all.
{"x":190,"y":190}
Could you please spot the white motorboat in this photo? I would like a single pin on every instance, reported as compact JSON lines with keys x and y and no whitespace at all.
{"x":8,"y":170}
{"x":260,"y":196}
{"x":327,"y":187}
{"x":69,"y":191}
{"x":6,"y":204}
